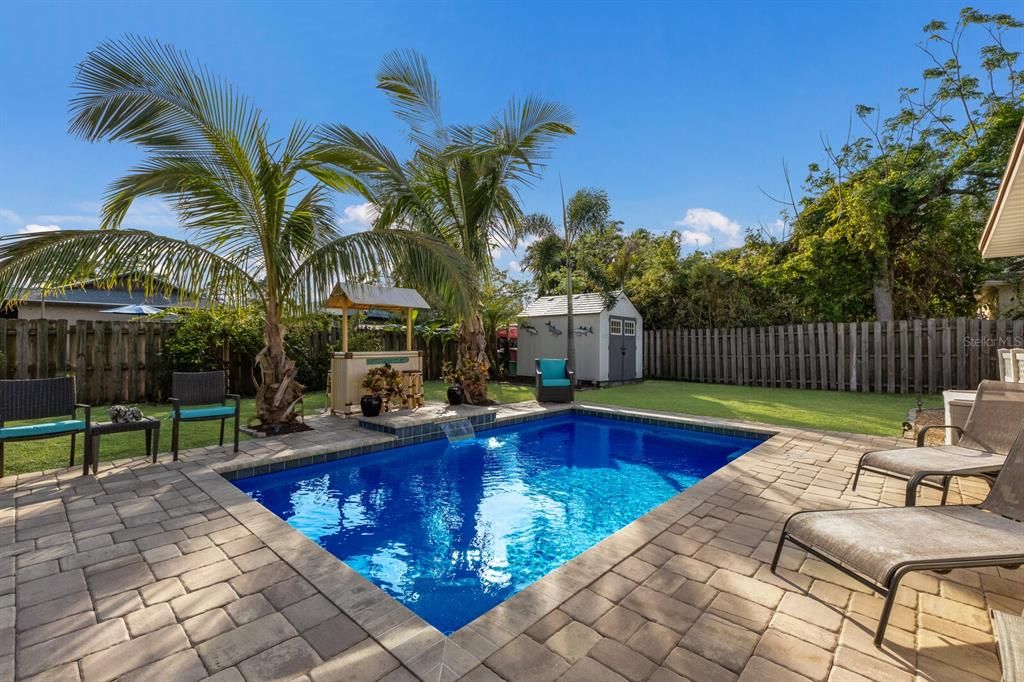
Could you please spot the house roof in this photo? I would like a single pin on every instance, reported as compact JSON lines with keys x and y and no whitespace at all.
{"x":90,"y":295}
{"x":366,"y":296}
{"x":582,"y":304}
{"x":1004,"y":232}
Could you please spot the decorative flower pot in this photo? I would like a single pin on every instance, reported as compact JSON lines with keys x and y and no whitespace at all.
{"x":455,"y":395}
{"x":370,"y":405}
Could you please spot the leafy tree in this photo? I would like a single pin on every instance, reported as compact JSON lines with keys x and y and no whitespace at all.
{"x":905,"y":201}
{"x":258,"y":211}
{"x":502,"y":300}
{"x":460,"y":184}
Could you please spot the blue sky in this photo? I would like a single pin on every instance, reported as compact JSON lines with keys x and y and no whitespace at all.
{"x":685,"y":111}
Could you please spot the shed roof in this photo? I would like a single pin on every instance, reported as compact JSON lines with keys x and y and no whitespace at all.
{"x":582,"y":304}
{"x":366,"y":296}
{"x":1004,"y":232}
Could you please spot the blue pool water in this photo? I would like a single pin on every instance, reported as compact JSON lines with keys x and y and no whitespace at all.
{"x":451,"y":530}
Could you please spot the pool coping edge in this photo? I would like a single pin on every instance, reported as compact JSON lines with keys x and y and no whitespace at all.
{"x":409,"y":638}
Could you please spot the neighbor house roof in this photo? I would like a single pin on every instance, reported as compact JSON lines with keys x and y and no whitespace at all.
{"x":582,"y":304}
{"x":1004,"y":232}
{"x":90,"y":295}
{"x":366,"y":296}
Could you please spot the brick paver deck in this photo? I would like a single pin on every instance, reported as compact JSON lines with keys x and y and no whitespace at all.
{"x":167,"y":572}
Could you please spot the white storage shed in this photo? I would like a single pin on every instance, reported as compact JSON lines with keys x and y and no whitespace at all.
{"x":609,"y":336}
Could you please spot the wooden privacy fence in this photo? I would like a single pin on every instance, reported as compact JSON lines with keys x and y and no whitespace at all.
{"x":111,"y":361}
{"x":906,"y":356}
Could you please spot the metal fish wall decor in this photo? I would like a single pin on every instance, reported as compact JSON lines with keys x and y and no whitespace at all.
{"x":553,"y":329}
{"x":584,"y":331}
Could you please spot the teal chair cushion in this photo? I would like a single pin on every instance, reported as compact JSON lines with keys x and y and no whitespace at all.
{"x":552,"y":369}
{"x":554,"y":383}
{"x":47,"y":429}
{"x":207,"y":412}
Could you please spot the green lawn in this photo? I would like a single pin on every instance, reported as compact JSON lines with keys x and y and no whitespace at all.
{"x":52,"y":453}
{"x":871,"y":413}
{"x":854,"y":412}
{"x":498,"y":391}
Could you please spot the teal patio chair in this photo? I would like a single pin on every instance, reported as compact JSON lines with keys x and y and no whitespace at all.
{"x":554,"y":380}
{"x":42,"y":399}
{"x":200,"y":393}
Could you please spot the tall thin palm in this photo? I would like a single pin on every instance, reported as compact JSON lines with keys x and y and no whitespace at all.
{"x":588,"y":209}
{"x":461,"y":182}
{"x":258,"y":213}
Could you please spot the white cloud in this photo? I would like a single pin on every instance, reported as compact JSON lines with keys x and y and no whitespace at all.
{"x":515,"y":266}
{"x":35,"y":229}
{"x":144,"y":214}
{"x":360,"y":215}
{"x":10,"y":216}
{"x":695,"y":238}
{"x":704,"y":222}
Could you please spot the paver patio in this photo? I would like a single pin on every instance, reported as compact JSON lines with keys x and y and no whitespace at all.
{"x":167,"y":572}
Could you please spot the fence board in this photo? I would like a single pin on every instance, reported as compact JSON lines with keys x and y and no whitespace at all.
{"x":905,"y":356}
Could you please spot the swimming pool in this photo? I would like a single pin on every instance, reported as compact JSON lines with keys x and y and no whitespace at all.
{"x":452,"y":530}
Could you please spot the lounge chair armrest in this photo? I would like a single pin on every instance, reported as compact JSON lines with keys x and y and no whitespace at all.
{"x":921,"y":434}
{"x":86,"y":413}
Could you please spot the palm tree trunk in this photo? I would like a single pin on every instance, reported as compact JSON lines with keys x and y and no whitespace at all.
{"x":472,"y":359}
{"x":570,"y":341}
{"x":278,"y":387}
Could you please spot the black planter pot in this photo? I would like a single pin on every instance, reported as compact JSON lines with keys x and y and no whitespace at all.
{"x":455,"y":395}
{"x":370,"y":405}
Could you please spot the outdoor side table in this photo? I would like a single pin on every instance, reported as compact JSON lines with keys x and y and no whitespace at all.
{"x":150,"y":425}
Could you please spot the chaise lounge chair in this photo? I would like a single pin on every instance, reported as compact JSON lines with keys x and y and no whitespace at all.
{"x":878,"y":547}
{"x":554,"y":380}
{"x":984,"y":441}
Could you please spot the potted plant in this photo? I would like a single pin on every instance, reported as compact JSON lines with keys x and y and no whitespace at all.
{"x":451,"y":377}
{"x":382,"y":385}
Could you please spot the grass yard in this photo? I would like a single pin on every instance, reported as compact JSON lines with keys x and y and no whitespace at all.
{"x":52,"y":453}
{"x":498,"y":391}
{"x":871,"y":413}
{"x":854,"y":412}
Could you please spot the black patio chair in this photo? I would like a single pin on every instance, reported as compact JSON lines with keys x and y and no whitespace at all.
{"x":204,"y":389}
{"x":42,"y":399}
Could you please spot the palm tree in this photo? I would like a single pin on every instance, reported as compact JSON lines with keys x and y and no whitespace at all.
{"x":544,"y":258}
{"x":258,"y":213}
{"x":461,"y":182}
{"x":588,"y":209}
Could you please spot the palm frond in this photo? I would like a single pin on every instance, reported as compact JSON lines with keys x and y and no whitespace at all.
{"x":408,"y":82}
{"x":423,"y":262}
{"x":57,"y":260}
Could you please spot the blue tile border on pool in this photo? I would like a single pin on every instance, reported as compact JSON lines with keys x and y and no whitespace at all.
{"x":420,"y":434}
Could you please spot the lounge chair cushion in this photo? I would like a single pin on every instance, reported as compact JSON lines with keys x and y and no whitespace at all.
{"x":873,"y":542}
{"x":908,"y":461}
{"x":554,"y":383}
{"x":46,"y":429}
{"x":208,"y":412}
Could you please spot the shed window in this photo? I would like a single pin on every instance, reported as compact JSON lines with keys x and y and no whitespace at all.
{"x":629,"y":327}
{"x":615,"y":327}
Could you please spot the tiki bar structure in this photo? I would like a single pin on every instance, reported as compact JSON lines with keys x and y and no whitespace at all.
{"x":348,"y":369}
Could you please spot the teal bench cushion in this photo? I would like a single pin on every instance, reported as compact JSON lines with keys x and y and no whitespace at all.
{"x":207,"y":412}
{"x":47,"y":429}
{"x":553,"y":383}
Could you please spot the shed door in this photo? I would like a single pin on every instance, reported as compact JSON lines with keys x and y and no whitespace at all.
{"x":621,"y":348}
